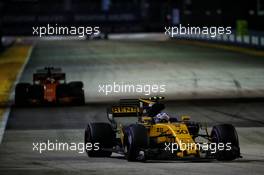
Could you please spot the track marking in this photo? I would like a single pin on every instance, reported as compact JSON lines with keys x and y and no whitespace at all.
{"x":11,"y":96}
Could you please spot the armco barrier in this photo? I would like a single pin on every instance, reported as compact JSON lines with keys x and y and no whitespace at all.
{"x":253,"y":39}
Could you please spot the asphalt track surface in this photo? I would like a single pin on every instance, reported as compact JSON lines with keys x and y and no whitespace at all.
{"x":96,"y":62}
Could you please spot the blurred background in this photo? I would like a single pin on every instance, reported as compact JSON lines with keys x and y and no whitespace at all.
{"x":122,"y":20}
{"x":18,"y":16}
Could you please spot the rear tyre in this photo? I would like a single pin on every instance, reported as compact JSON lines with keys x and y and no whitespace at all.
{"x":136,"y":141}
{"x":21,"y":94}
{"x":226,"y":134}
{"x":76,"y":84}
{"x":62,"y":91}
{"x":101,"y":133}
{"x":77,"y":92}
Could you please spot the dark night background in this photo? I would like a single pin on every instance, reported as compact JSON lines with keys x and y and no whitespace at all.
{"x":18,"y":16}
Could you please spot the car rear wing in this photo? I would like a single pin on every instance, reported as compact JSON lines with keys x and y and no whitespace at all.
{"x":131,"y":109}
{"x":124,"y":111}
{"x":123,"y":114}
{"x":52,"y":70}
{"x":136,"y":107}
{"x":44,"y":76}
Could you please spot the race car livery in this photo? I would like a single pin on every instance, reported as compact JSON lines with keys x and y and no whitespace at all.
{"x":148,"y":138}
{"x":49,"y":87}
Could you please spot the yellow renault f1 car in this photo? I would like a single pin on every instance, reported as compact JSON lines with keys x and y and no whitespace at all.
{"x":152,"y":137}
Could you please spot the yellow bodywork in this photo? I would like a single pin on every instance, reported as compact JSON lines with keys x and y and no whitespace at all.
{"x":173,"y":133}
{"x":176,"y":133}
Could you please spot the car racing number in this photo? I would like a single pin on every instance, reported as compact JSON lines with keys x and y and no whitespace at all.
{"x":181,"y":131}
{"x":159,"y":129}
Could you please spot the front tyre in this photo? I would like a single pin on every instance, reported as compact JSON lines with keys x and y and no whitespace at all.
{"x":101,"y":133}
{"x":226,"y":134}
{"x":136,"y":141}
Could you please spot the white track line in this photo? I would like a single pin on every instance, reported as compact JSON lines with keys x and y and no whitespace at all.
{"x":11,"y":96}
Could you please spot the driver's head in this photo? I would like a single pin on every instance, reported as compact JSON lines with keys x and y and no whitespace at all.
{"x":162,"y":117}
